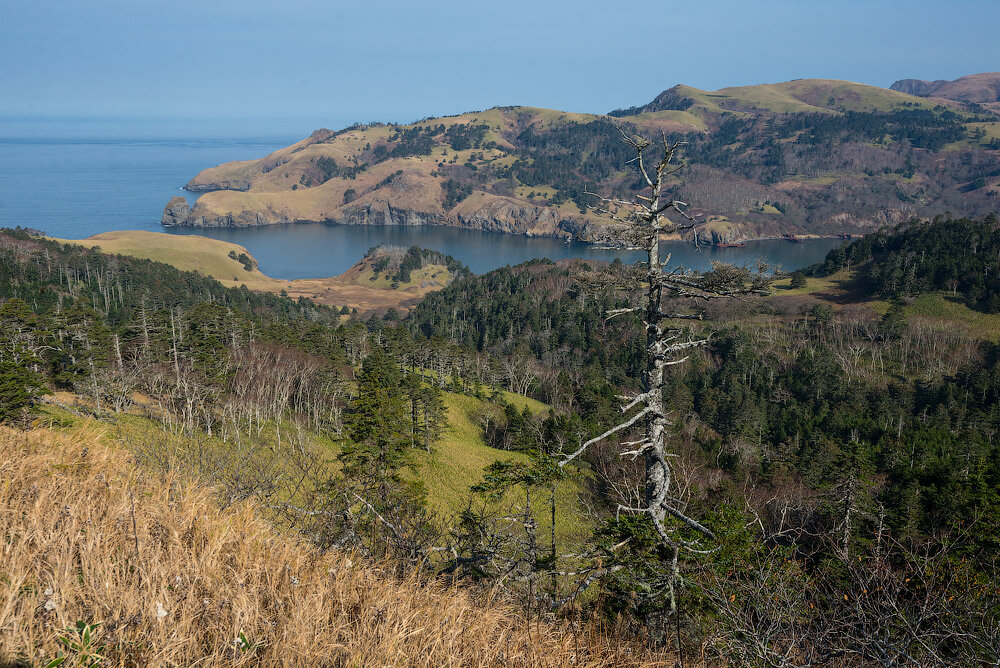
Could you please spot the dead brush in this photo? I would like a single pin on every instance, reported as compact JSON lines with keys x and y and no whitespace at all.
{"x":103,"y":563}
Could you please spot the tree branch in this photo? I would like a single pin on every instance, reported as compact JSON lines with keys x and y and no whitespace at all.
{"x":624,"y":425}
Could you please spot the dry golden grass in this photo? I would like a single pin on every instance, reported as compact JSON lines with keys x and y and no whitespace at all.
{"x":210,"y":257}
{"x":185,"y":252}
{"x":172,"y":580}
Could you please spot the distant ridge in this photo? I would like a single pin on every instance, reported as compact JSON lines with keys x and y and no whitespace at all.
{"x":978,"y":88}
{"x":800,"y":95}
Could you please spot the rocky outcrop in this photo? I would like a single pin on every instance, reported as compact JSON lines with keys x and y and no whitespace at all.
{"x":715,"y":235}
{"x":513,"y":217}
{"x":242,"y":219}
{"x":380,"y":212}
{"x":917,"y":87}
{"x":371,"y":213}
{"x":979,"y":88}
{"x":496,"y":215}
{"x":175,"y":212}
{"x":196,"y":186}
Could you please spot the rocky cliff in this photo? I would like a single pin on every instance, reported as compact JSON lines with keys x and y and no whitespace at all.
{"x":978,"y":88}
{"x":494,"y":215}
{"x":176,"y":212}
{"x":917,"y":87}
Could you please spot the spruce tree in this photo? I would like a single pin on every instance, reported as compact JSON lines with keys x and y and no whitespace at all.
{"x":379,"y":424}
{"x":19,"y":392}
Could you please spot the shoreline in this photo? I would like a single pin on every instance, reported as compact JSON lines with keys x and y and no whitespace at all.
{"x":219,"y":258}
{"x":566,"y":238}
{"x":181,"y":213}
{"x":211,"y":257}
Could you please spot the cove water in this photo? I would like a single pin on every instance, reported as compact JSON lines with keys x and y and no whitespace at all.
{"x":73,"y":189}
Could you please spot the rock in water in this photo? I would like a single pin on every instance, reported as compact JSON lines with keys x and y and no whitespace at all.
{"x":175,"y":212}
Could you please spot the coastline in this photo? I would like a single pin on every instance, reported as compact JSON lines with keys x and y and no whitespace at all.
{"x":218,"y":259}
{"x":564,"y":236}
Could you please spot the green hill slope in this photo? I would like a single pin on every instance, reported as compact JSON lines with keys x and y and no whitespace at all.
{"x":798,"y":96}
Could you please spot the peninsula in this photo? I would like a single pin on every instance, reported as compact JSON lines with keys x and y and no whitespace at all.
{"x":800,"y":158}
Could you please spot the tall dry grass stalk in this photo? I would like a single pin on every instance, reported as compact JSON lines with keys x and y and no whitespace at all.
{"x":182,"y":586}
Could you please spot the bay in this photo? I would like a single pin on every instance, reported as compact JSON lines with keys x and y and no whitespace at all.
{"x":73,"y":189}
{"x":309,"y":250}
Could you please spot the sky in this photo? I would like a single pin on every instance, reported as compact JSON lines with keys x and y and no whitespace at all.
{"x":256,"y":68}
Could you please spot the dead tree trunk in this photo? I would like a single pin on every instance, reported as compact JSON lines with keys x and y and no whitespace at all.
{"x":667,"y":342}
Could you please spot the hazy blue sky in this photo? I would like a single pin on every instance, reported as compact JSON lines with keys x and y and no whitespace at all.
{"x":249,"y":66}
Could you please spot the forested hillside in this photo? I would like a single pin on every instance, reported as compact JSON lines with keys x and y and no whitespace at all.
{"x":801,"y":157}
{"x":841,"y":451}
{"x":961,"y":257}
{"x":790,"y":389}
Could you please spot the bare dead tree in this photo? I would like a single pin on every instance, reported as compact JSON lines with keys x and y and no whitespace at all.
{"x":668,"y":342}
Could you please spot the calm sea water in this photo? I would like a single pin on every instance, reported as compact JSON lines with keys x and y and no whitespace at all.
{"x":75,"y":189}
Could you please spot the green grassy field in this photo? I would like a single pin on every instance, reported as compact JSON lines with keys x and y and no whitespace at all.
{"x":817,"y":285}
{"x":453,"y":466}
{"x":458,"y":459}
{"x":844,"y":287}
{"x":990,"y":130}
{"x":943,"y":307}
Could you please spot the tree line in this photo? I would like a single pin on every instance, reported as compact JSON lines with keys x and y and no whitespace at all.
{"x":957,"y":256}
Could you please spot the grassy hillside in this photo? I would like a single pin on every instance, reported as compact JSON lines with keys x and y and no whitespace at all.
{"x":209,"y":257}
{"x":460,"y":456}
{"x":454,"y":465}
{"x":826,"y":96}
{"x":842,"y":289}
{"x":828,"y":156}
{"x":108,"y":564}
{"x":810,"y":95}
{"x":356,"y":288}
